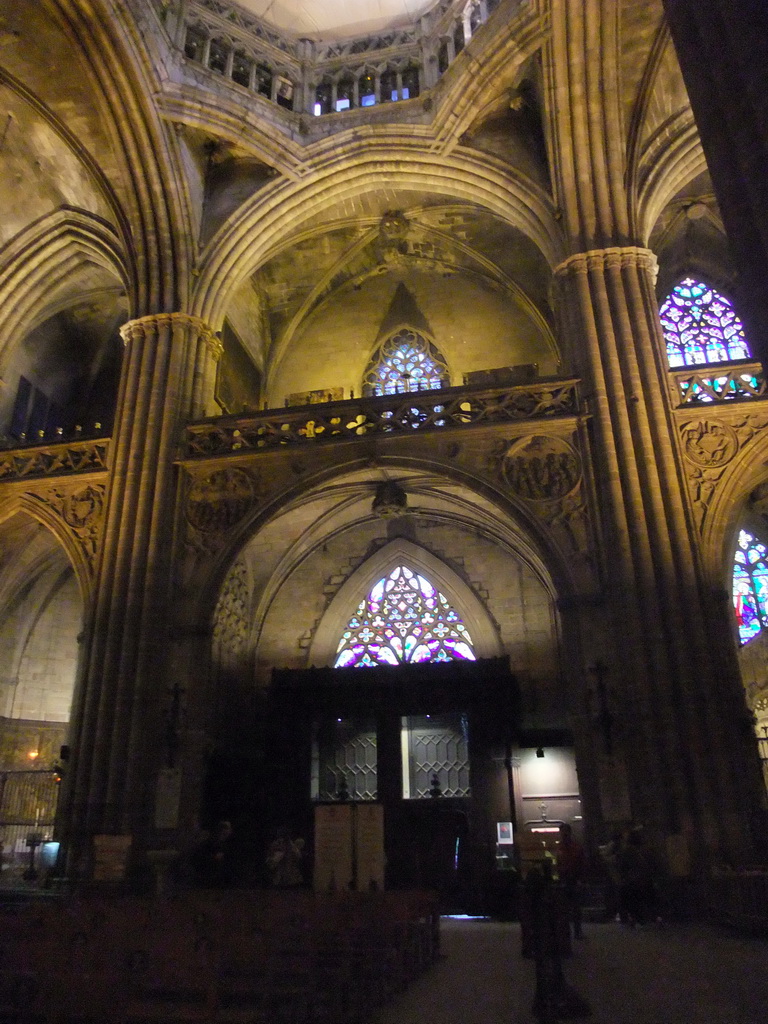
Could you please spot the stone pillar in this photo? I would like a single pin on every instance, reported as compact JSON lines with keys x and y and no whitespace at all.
{"x":167,"y":379}
{"x":722,"y":46}
{"x":672,"y":674}
{"x":669,"y":662}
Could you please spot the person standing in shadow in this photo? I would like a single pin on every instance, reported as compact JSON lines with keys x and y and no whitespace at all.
{"x":211,"y":860}
{"x":638,"y":888}
{"x":284,"y":861}
{"x":571,"y":870}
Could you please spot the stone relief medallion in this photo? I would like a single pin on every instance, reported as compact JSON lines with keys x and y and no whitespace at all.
{"x":220,"y":500}
{"x":542,"y":468}
{"x":83,"y":512}
{"x":709,"y":444}
{"x":79,"y":508}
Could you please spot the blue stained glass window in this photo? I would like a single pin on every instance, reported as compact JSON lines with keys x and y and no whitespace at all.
{"x":700,"y":326}
{"x":405,"y":362}
{"x":750,"y":586}
{"x":403,"y":619}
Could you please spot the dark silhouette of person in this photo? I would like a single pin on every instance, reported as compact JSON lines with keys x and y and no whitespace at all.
{"x":637,"y":886}
{"x":571,"y":869}
{"x":284,"y":861}
{"x":211,"y":860}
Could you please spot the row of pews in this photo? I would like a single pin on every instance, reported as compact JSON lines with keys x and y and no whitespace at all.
{"x":223,"y":957}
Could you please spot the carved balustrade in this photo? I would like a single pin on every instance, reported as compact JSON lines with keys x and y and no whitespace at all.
{"x":325,"y":76}
{"x":46,"y":460}
{"x":727,"y":382}
{"x":401,"y":414}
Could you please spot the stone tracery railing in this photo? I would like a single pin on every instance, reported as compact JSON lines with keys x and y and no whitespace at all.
{"x":329,"y":76}
{"x":402,"y":414}
{"x":54,"y":459}
{"x":726,"y":382}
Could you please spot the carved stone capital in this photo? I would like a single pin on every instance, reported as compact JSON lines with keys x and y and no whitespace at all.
{"x":146,"y":326}
{"x":600,"y":260}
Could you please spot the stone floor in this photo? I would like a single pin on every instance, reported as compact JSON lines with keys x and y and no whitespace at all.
{"x":675,"y":974}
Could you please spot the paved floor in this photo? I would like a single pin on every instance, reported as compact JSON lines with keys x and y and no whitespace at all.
{"x":678,"y":974}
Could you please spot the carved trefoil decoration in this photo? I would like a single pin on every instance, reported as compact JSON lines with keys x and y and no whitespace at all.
{"x":83,"y":512}
{"x":54,"y":460}
{"x":708,"y":446}
{"x":231,"y":619}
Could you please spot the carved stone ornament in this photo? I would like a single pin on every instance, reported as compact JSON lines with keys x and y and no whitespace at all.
{"x":83,"y":512}
{"x":709,"y":444}
{"x":542,"y":468}
{"x":758,"y":500}
{"x":218,"y":501}
{"x":81,"y":506}
{"x":390,"y":500}
{"x":709,"y":447}
{"x":393,"y":233}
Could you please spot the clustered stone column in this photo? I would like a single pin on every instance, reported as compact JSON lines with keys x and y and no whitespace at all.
{"x":167,"y":379}
{"x":675,"y":672}
{"x":668,"y":652}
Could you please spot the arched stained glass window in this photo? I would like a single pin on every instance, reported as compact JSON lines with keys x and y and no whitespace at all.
{"x":750,"y":586}
{"x":405,"y":362}
{"x":403,"y":619}
{"x":701,"y":326}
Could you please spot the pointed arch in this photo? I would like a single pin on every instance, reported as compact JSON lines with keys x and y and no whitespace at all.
{"x":281,"y":209}
{"x":398,"y":552}
{"x":43,"y":262}
{"x":156,"y":202}
{"x":39,"y":511}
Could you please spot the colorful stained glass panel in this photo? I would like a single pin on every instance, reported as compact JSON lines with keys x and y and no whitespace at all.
{"x":700,"y":326}
{"x":405,"y":362}
{"x":403,"y":619}
{"x":750,"y":586}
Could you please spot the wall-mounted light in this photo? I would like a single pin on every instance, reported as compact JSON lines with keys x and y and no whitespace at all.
{"x":539,"y":751}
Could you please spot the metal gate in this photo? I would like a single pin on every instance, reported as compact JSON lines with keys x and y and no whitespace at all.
{"x":28,"y":802}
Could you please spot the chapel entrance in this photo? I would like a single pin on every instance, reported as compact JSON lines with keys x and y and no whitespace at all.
{"x":425,"y":741}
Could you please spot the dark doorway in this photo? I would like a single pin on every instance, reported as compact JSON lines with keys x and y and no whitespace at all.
{"x":417,"y":739}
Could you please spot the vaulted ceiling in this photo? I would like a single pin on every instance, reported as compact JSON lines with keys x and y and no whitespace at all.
{"x":318,"y":19}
